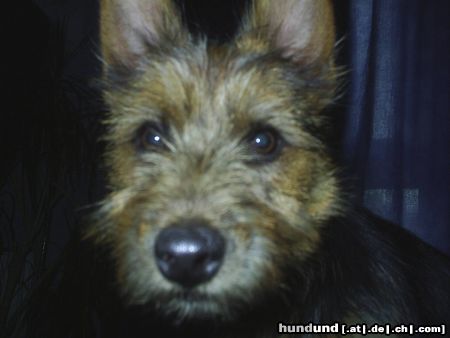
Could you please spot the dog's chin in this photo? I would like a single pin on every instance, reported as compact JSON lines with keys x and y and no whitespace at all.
{"x":187,"y":307}
{"x":195,"y":306}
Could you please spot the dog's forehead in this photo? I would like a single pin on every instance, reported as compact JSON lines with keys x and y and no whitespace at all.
{"x":218,"y":93}
{"x":212,"y":86}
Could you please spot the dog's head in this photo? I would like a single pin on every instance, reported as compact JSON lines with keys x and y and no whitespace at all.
{"x":219,"y":179}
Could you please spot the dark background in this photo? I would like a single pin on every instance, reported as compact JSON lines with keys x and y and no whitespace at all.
{"x":393,"y":139}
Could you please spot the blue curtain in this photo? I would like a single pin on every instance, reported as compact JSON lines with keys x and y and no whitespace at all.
{"x":397,"y":127}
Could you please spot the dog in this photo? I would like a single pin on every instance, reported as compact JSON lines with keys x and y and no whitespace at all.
{"x":226,"y":216}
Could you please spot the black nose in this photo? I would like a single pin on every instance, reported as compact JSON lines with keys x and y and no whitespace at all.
{"x":190,"y":253}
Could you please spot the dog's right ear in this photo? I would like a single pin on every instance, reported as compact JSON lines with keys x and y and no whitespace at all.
{"x":302,"y":30}
{"x":130,"y":28}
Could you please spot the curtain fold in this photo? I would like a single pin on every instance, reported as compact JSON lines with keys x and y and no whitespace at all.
{"x":397,"y":127}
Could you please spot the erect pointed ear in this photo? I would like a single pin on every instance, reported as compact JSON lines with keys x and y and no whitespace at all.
{"x":303,"y":30}
{"x":129,"y":27}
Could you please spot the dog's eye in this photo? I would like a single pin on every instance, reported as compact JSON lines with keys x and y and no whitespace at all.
{"x":150,"y":137}
{"x":265,"y":143}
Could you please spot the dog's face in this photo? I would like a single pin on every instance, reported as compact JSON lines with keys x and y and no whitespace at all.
{"x":219,"y":183}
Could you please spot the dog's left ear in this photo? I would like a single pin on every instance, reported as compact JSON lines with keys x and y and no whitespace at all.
{"x":302,"y":30}
{"x":130,"y":28}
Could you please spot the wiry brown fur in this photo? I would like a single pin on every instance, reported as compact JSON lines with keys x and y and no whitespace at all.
{"x":278,"y":72}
